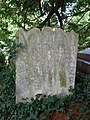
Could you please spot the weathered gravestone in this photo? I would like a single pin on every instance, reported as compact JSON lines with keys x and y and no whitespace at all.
{"x":83,"y":60}
{"x":46,"y":62}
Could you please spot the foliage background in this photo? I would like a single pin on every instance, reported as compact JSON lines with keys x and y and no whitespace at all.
{"x":26,"y":14}
{"x":65,"y":14}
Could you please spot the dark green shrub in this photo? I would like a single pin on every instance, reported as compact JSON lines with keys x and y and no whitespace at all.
{"x":42,"y":104}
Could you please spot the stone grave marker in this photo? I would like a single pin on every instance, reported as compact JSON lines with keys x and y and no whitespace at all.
{"x":45,"y":63}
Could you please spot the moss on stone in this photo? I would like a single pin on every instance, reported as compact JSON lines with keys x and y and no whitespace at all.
{"x":62,"y":80}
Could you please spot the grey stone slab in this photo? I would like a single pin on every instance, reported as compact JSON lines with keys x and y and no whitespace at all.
{"x":46,"y":62}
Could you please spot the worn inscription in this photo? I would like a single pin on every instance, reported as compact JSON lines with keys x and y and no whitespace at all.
{"x":46,"y":63}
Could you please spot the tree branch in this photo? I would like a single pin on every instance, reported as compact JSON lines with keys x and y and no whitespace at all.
{"x":58,"y":4}
{"x":80,"y":18}
{"x":75,"y":14}
{"x":40,"y":8}
{"x":49,"y":22}
{"x":83,"y":27}
{"x":59,"y":18}
{"x":25,"y":18}
{"x":51,"y":2}
{"x":52,"y":11}
{"x":48,"y":17}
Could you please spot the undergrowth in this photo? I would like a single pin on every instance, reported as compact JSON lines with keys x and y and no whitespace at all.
{"x":9,"y":110}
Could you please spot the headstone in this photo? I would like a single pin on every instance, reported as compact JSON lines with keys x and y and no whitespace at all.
{"x":46,"y":62}
{"x":83,"y":60}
